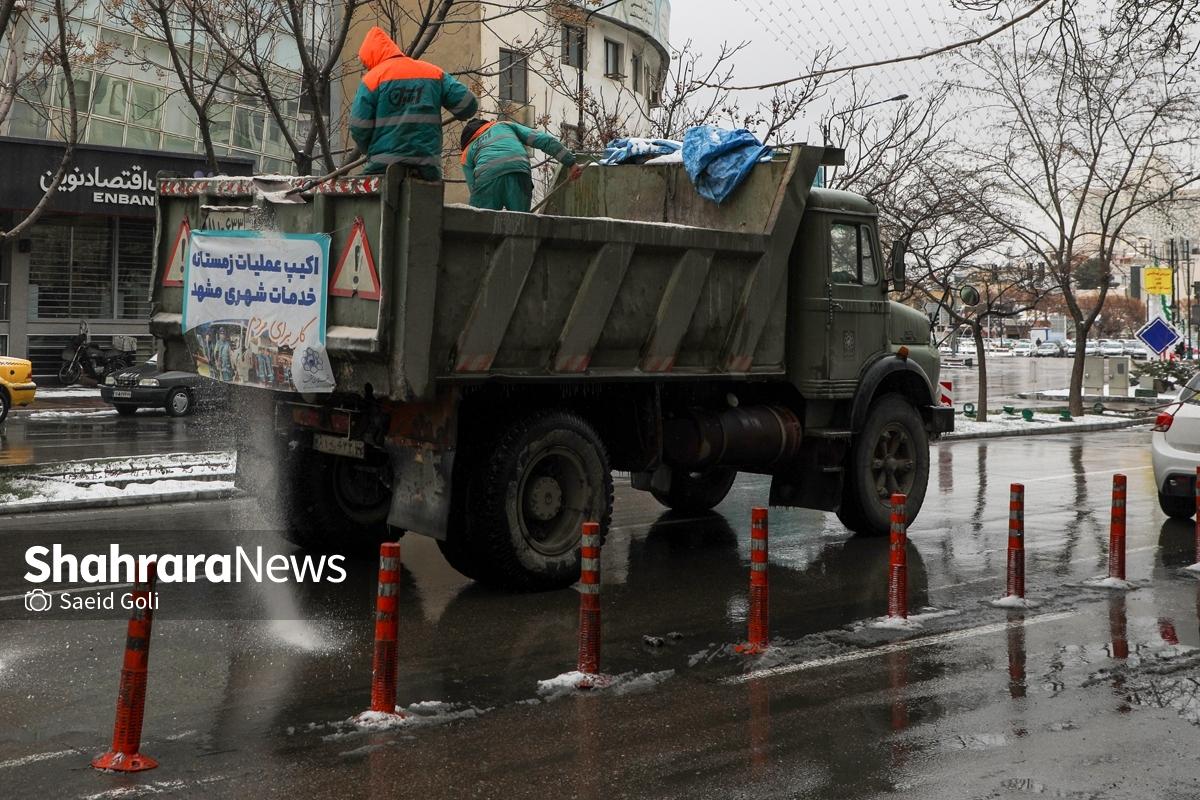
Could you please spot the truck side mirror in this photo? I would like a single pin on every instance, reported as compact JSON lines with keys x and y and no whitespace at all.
{"x":898,"y":269}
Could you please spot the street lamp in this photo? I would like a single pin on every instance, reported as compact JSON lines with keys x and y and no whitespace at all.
{"x":587,"y":18}
{"x":831,"y":117}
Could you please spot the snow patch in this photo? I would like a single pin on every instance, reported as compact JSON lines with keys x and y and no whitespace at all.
{"x":1012,"y":601}
{"x":913,"y":622}
{"x":1115,"y":584}
{"x":1193,"y":568}
{"x":569,"y":683}
{"x":426,"y":712}
{"x":68,"y":391}
{"x":112,"y":412}
{"x":32,"y":491}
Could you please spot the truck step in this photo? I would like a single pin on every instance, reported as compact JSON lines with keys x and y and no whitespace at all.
{"x":827,"y":433}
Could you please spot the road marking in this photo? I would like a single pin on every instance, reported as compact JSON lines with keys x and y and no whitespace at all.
{"x":84,"y":588}
{"x":31,"y":759}
{"x":910,"y":644}
{"x":1095,"y":472}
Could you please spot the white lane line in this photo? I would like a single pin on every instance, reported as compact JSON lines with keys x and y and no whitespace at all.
{"x":1094,"y":472}
{"x":32,"y":759}
{"x":84,"y":588}
{"x":910,"y":644}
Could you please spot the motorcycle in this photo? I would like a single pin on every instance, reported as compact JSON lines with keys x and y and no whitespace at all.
{"x":81,"y":357}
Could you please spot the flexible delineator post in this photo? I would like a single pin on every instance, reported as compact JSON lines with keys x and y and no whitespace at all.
{"x":1116,"y":535}
{"x":589,"y":600}
{"x":1016,"y":540}
{"x":131,"y":695}
{"x":385,"y":663}
{"x":898,"y":559}
{"x":760,"y":598}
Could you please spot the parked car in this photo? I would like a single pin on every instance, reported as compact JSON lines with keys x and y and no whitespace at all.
{"x":1022,"y":348}
{"x":1091,"y":348}
{"x":146,"y":386}
{"x":1111,"y":348}
{"x":16,"y":384}
{"x":1175,"y":452}
{"x":1048,"y":349}
{"x":1135,"y":349}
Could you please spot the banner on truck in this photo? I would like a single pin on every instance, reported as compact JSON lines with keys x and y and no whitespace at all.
{"x":254,"y":308}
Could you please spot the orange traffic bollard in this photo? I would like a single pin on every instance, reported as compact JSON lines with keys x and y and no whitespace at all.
{"x":760,"y":601}
{"x":1016,"y":540}
{"x":898,"y":560}
{"x":131,"y":695}
{"x":1116,"y":536}
{"x":385,"y":663}
{"x":589,"y":602}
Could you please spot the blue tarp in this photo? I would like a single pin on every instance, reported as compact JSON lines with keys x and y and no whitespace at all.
{"x":718,"y":160}
{"x":620,"y":151}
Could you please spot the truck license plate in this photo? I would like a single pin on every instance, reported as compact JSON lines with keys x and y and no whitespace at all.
{"x":123,"y":394}
{"x":337,"y":446}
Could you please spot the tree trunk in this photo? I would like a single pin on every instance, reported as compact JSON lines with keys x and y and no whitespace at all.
{"x":1075,"y":395}
{"x":981,"y":408}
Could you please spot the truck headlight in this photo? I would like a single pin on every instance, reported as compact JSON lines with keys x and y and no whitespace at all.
{"x":111,"y":380}
{"x":148,"y":382}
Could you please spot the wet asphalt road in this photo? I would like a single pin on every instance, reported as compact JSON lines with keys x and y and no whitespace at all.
{"x":1090,"y":695}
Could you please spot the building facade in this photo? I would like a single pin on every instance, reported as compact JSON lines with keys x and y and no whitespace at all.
{"x":527,"y":66}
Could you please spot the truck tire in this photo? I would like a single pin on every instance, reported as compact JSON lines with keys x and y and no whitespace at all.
{"x":337,"y":504}
{"x":695,"y":492}
{"x":527,"y":498}
{"x":890,"y":454}
{"x":5,"y":404}
{"x":1177,"y":507}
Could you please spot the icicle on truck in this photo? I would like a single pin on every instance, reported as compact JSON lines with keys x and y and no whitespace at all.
{"x":507,"y":363}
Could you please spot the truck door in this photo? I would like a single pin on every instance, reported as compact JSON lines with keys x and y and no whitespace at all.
{"x":857,"y":319}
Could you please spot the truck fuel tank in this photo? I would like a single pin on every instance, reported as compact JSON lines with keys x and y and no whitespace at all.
{"x":752,"y":437}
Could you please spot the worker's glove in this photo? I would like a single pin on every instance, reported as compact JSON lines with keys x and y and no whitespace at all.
{"x":576,"y":171}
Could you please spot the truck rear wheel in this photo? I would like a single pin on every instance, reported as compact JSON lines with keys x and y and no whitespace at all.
{"x":527,"y":500}
{"x":338,"y":504}
{"x":889,"y":455}
{"x":694,"y":492}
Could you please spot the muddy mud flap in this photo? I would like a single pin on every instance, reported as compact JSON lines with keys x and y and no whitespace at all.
{"x":421,"y":489}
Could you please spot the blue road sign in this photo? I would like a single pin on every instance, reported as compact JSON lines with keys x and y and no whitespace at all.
{"x":1158,"y":335}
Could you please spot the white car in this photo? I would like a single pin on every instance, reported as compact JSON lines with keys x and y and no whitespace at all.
{"x":1136,"y":349}
{"x":1022,"y":349}
{"x":1111,"y":347}
{"x":1175,"y":453}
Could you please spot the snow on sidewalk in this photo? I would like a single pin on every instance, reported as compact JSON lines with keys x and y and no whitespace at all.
{"x":1004,"y":424}
{"x":36,"y":491}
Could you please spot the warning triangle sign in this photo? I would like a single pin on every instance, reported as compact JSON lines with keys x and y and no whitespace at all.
{"x":355,"y":273}
{"x":173,"y":270}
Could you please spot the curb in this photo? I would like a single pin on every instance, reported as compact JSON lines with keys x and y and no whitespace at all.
{"x":1033,"y":430}
{"x":115,"y":502}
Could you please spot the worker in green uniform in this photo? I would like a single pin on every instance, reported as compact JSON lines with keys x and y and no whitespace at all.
{"x":496,"y":164}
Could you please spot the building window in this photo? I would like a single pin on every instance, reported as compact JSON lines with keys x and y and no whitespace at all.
{"x":572,"y":46}
{"x":653,"y":90}
{"x":514,"y":77}
{"x":614,"y":59}
{"x":635,"y":71}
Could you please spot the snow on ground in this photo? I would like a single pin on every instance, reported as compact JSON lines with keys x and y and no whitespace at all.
{"x":426,"y":712}
{"x":1102,"y":582}
{"x":31,"y":491}
{"x":1042,"y":423}
{"x":912,"y":622}
{"x":568,"y":683}
{"x":176,"y":466}
{"x":72,"y":414}
{"x":68,"y":391}
{"x":1012,"y":601}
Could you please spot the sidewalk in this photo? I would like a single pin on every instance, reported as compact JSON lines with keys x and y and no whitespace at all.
{"x":1001,"y":424}
{"x":57,"y":398}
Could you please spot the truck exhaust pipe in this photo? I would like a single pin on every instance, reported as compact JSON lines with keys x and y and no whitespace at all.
{"x":754,"y":437}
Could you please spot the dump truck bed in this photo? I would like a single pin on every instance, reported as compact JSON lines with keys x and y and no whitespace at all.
{"x":644,"y":281}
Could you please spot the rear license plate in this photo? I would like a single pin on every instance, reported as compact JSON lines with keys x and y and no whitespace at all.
{"x":123,"y":394}
{"x":337,"y":446}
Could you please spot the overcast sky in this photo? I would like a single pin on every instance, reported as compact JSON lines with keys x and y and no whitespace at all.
{"x":784,"y":35}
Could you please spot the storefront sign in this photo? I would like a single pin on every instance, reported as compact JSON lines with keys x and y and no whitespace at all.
{"x":100,"y":180}
{"x":254,"y":308}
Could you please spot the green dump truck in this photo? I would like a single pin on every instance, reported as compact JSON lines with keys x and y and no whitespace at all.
{"x":492,"y":369}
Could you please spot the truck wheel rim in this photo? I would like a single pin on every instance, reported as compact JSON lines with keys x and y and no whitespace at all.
{"x":360,"y":489}
{"x":893,"y":462}
{"x":552,"y":501}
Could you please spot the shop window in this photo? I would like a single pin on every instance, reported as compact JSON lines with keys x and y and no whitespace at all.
{"x":110,"y":133}
{"x":146,"y":105}
{"x":135,"y":263}
{"x":142,"y":138}
{"x":109,"y":98}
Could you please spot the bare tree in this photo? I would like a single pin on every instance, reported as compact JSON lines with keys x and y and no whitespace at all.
{"x":57,"y":54}
{"x":1091,"y":129}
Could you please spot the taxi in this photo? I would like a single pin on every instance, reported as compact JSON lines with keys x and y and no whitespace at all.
{"x":16,"y":384}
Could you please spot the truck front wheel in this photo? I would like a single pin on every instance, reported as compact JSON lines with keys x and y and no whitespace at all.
{"x":889,"y":455}
{"x":696,"y":492}
{"x":527,"y":500}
